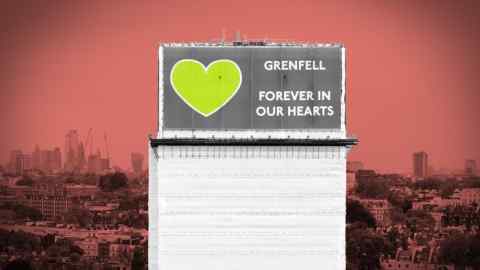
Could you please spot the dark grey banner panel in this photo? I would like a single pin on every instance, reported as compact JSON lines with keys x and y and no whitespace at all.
{"x":252,"y":88}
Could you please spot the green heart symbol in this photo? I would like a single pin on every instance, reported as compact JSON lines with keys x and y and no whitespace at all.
{"x":206,"y":90}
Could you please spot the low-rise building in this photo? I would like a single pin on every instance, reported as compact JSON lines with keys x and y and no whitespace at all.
{"x":89,"y":245}
{"x":50,"y":199}
{"x":380,"y":209}
{"x":418,"y":258}
{"x":81,"y":191}
{"x":436,"y":202}
{"x":103,"y":249}
{"x":120,"y":250}
{"x":7,"y":199}
{"x":468,"y":195}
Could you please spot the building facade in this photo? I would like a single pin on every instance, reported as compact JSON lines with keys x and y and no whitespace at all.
{"x":234,"y":182}
{"x":420,"y":164}
{"x":15,"y":165}
{"x":470,"y":167}
{"x":74,"y":152}
{"x":380,"y":209}
{"x":137,"y":162}
{"x":50,"y":199}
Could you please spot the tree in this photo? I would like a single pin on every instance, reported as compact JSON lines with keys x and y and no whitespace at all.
{"x":461,"y":250}
{"x":113,"y":182}
{"x":47,"y":240}
{"x":429,"y":183}
{"x":22,"y":211}
{"x":20,"y":241}
{"x":447,"y":189}
{"x":471,"y":182}
{"x":54,"y":251}
{"x":63,"y":248}
{"x":71,"y":180}
{"x":419,"y":220}
{"x":18,"y":264}
{"x":27,"y":212}
{"x":397,"y":216}
{"x":401,"y":202}
{"x":375,"y":188}
{"x":139,"y":259}
{"x":356,"y":212}
{"x":79,"y":216}
{"x":407,"y":205}
{"x":395,"y":240}
{"x":364,"y":248}
{"x":25,"y":181}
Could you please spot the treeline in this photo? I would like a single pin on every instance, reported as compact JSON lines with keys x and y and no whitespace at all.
{"x":365,"y":246}
{"x":379,"y":186}
{"x":446,"y":185}
{"x":107,"y":182}
{"x":461,"y":250}
{"x":112,"y":182}
{"x":462,"y":215}
{"x":445,"y":188}
{"x":22,"y":212}
{"x":23,"y":245}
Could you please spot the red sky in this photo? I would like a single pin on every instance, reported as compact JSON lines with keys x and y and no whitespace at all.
{"x":411,"y":69}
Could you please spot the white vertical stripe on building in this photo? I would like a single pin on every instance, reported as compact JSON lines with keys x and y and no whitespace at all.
{"x":247,"y":207}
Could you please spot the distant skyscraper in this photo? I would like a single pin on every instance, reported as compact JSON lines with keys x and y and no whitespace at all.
{"x":27,"y":162}
{"x":44,"y":160}
{"x":137,"y":162}
{"x":36,"y":158}
{"x":93,"y":163}
{"x":420,"y":164}
{"x":56,"y":159}
{"x":105,"y":164}
{"x":97,"y":164}
{"x":81,"y":159}
{"x":471,"y":167}
{"x":47,"y":160}
{"x":74,"y":152}
{"x":15,"y":165}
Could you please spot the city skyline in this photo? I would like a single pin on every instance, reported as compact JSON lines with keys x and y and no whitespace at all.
{"x":73,"y":157}
{"x":105,"y":217}
{"x":137,"y":159}
{"x":419,"y":93}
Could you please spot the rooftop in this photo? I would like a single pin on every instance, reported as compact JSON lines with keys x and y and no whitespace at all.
{"x":253,"y":43}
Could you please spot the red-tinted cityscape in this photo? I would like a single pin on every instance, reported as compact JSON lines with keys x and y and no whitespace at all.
{"x":67,"y":208}
{"x":78,"y":84}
